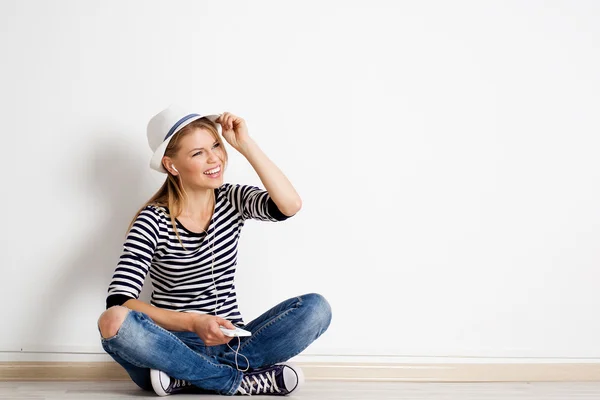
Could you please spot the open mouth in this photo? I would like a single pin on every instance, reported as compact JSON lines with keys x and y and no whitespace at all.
{"x":213,"y":173}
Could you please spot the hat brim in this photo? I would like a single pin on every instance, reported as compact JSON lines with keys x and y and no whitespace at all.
{"x":156,"y":160}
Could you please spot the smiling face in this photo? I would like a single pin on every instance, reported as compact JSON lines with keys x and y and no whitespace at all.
{"x":199,"y":158}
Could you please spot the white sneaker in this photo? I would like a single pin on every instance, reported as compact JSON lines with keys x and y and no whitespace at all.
{"x":278,"y":380}
{"x":164,"y":385}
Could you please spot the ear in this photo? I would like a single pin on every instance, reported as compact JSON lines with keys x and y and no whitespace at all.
{"x":167,"y":164}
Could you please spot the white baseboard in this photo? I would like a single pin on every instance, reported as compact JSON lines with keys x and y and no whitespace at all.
{"x":66,"y":355}
{"x":89,"y":363}
{"x":454,"y":372}
{"x":352,"y":371}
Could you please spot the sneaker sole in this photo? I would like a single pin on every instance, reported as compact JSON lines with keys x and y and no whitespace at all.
{"x":299,"y":375}
{"x":155,"y":378}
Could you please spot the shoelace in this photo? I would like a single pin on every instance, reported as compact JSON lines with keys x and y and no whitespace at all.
{"x":266,"y":383}
{"x":180,"y":383}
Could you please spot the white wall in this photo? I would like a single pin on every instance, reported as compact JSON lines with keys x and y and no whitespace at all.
{"x":446,"y":154}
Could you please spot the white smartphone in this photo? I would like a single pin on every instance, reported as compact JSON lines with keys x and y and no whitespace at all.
{"x":234,"y":332}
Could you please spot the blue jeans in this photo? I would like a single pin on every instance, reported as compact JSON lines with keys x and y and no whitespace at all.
{"x":277,"y":335}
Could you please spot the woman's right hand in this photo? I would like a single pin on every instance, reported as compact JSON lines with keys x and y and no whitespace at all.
{"x":207,"y":327}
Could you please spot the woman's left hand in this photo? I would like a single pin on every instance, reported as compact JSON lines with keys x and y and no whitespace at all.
{"x":234,"y":130}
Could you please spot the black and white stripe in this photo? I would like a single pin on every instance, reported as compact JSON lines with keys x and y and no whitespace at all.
{"x":181,"y":278}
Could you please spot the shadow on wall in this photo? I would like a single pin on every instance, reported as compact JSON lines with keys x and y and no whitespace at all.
{"x":121,"y":182}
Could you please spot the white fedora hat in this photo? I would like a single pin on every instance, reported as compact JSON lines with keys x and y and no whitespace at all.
{"x":164,"y":125}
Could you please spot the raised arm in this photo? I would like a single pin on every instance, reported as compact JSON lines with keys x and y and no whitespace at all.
{"x":280,"y":189}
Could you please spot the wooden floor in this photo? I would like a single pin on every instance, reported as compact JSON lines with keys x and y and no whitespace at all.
{"x":313,"y":390}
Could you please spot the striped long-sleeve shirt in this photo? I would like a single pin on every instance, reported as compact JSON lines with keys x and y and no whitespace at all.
{"x":181,"y":278}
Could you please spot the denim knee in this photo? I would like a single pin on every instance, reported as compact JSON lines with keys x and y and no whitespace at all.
{"x":320,"y":310}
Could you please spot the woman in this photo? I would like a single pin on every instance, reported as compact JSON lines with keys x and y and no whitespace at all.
{"x":186,"y":237}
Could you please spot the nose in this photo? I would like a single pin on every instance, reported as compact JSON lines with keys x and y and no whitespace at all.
{"x":212,"y":157}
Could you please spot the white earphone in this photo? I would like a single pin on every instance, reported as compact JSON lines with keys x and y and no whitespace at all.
{"x":174,"y":167}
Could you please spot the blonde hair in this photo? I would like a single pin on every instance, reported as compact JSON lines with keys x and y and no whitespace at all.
{"x":171,"y":194}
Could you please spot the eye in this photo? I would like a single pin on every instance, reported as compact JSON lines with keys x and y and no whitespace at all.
{"x":216,"y":145}
{"x":200,"y":152}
